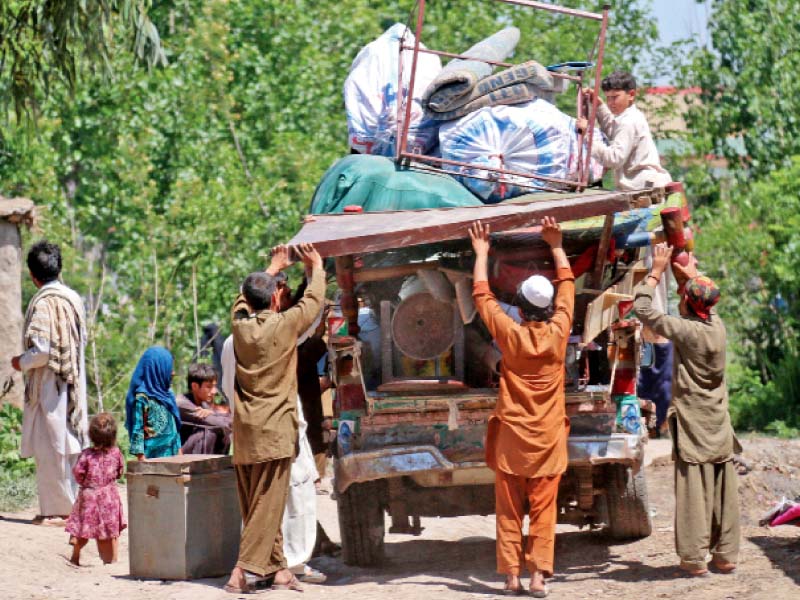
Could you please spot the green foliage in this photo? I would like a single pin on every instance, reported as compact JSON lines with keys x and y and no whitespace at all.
{"x":750,"y":89}
{"x":43,"y":42}
{"x":750,"y":244}
{"x":17,"y":483}
{"x":746,"y":113}
{"x":11,"y":464}
{"x":188,"y":174}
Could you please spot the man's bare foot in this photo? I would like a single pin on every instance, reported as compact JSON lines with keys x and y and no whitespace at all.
{"x":513,"y":586}
{"x":237,"y":580}
{"x":537,"y":588}
{"x":286,"y":580}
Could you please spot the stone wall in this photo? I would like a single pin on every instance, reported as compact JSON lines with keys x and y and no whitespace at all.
{"x":10,"y":311}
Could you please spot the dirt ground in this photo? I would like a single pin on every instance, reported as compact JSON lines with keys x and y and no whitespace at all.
{"x":454,"y":558}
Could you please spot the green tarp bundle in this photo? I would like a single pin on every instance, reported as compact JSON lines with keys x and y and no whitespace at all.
{"x":376,"y":183}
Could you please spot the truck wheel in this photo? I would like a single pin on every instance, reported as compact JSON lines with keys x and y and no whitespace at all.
{"x":628,"y":511}
{"x":361,"y":524}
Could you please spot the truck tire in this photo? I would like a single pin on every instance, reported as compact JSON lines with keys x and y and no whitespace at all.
{"x":626,"y":496}
{"x":361,"y":524}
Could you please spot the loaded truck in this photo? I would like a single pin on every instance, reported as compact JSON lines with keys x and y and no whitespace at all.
{"x":416,"y":370}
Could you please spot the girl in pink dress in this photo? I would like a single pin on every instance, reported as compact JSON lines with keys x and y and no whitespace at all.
{"x":97,"y":513}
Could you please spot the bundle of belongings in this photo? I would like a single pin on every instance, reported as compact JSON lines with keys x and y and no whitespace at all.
{"x":784,"y":512}
{"x":465,"y":113}
{"x":371,"y":95}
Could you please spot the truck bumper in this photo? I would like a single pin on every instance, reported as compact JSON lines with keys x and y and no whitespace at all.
{"x":623,"y":448}
{"x":428,"y":467}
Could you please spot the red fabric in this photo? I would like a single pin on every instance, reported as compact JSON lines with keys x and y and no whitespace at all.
{"x":701,"y":295}
{"x":505,"y":277}
{"x":786,"y":518}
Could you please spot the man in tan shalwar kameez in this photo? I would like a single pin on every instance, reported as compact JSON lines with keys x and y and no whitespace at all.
{"x":265,"y":423}
{"x":706,"y":484}
{"x":526,"y":442}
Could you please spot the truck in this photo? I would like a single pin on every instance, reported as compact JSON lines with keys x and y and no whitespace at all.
{"x":415,"y":369}
{"x":416,"y":372}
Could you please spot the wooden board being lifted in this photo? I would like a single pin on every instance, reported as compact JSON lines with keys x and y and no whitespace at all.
{"x":356,"y":233}
{"x":601,"y":312}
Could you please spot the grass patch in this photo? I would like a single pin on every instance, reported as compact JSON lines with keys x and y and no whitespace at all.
{"x":17,"y":475}
{"x":17,"y":494}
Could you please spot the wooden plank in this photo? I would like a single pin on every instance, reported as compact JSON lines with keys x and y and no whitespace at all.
{"x":458,"y":343}
{"x":602,"y":251}
{"x":601,"y":311}
{"x":342,"y":234}
{"x":383,"y":273}
{"x":387,"y":365}
{"x":348,"y":301}
{"x":430,"y":386}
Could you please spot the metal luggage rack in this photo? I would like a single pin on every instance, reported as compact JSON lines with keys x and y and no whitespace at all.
{"x":436,"y":164}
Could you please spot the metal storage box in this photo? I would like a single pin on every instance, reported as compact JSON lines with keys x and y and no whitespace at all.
{"x":184,"y":519}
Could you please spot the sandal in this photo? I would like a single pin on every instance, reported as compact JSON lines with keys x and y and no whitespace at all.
{"x":312,"y":575}
{"x":723,"y":566}
{"x":542,"y":593}
{"x":513,"y":591}
{"x":251,"y":585}
{"x":692,"y":570}
{"x":293,"y":584}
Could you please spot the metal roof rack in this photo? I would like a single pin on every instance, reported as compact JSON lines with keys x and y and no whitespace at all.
{"x":437,"y":164}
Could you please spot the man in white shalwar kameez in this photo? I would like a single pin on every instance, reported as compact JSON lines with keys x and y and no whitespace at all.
{"x":54,"y":426}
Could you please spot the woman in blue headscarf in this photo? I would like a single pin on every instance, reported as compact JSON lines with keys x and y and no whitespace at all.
{"x":151,"y":414}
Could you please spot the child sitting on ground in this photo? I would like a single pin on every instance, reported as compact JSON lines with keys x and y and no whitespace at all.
{"x":631,"y":152}
{"x":97,"y":513}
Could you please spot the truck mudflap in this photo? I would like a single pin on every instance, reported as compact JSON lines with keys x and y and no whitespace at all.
{"x":430,"y":468}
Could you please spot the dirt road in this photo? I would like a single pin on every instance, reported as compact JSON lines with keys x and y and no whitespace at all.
{"x":454,"y":558}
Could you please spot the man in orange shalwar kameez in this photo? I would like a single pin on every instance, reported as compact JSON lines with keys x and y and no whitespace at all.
{"x":526,"y":443}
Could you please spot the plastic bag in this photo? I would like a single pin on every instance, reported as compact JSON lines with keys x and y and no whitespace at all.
{"x":534,"y":138}
{"x":370,"y":95}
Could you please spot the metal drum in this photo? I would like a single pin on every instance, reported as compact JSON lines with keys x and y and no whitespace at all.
{"x":423,"y":327}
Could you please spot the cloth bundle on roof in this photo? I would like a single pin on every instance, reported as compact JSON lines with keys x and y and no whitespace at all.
{"x":371,"y":95}
{"x":532,"y":138}
{"x":516,"y":85}
{"x":376,"y":183}
{"x":453,"y":85}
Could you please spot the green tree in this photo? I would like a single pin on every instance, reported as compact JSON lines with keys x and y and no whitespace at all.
{"x":750,"y":100}
{"x":179,"y":179}
{"x":750,"y":243}
{"x":746,"y":112}
{"x":46,"y":40}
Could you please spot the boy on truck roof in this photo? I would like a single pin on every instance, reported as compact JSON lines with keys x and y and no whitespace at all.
{"x":631,"y":152}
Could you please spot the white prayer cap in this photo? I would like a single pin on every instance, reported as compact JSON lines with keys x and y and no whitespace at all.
{"x":537,"y":290}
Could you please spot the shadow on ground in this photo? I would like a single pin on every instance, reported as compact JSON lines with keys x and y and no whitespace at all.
{"x":783,"y":553}
{"x":468,"y":565}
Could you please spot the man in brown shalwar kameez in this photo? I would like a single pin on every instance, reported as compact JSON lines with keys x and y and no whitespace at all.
{"x":706,"y":486}
{"x":265,"y":425}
